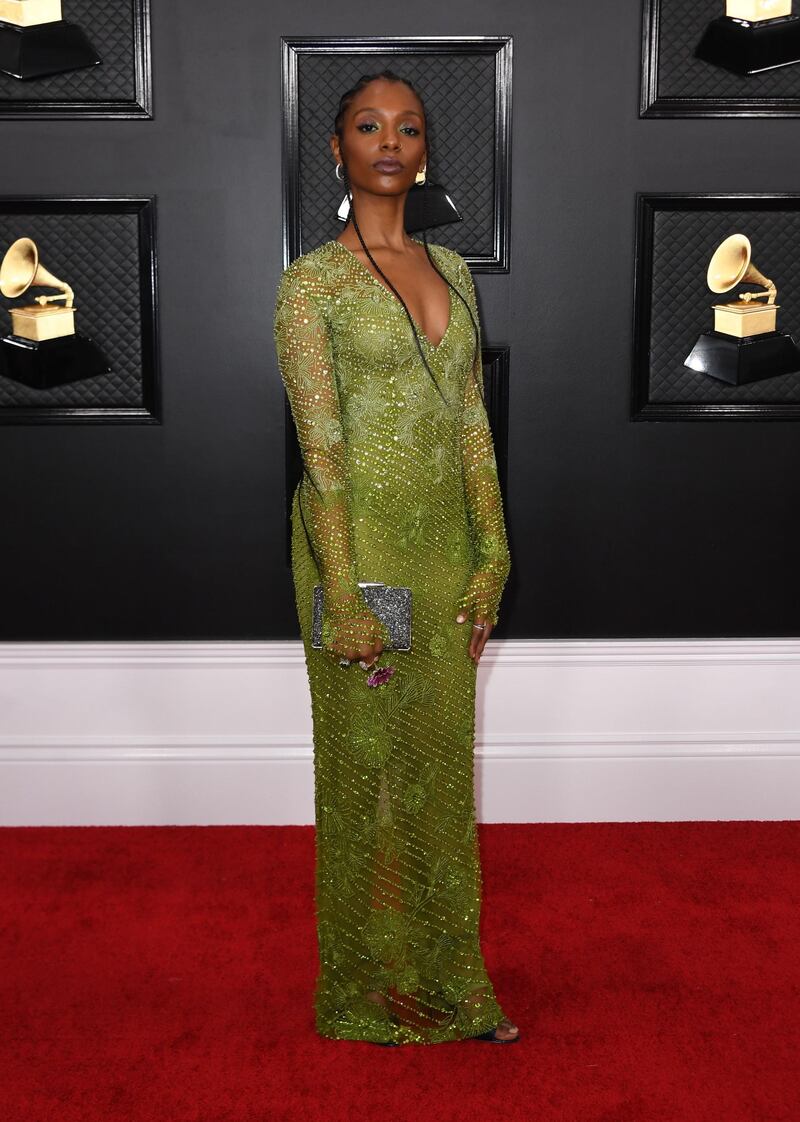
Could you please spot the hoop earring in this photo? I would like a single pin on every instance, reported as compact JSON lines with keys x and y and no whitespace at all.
{"x":422,"y":174}
{"x":336,"y":172}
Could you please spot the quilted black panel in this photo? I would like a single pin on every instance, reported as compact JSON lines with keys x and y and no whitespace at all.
{"x":462,"y":143}
{"x":681,"y":303}
{"x":98,"y":255}
{"x":110,"y":29}
{"x":681,"y":25}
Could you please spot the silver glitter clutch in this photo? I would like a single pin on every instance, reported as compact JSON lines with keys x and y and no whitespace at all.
{"x":391,"y":603}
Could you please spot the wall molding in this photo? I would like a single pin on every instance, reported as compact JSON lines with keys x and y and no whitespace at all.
{"x":220,"y":732}
{"x":523,"y":652}
{"x":275,"y":749}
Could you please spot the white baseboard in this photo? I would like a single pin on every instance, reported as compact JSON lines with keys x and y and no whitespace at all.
{"x":567,"y":731}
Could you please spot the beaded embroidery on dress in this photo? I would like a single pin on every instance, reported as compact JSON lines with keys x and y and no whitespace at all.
{"x":399,"y":486}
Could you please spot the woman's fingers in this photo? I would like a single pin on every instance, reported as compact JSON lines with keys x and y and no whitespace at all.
{"x":364,"y":652}
{"x":478,"y":635}
{"x":368,"y":656}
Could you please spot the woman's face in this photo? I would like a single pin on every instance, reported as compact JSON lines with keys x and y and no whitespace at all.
{"x":383,"y":122}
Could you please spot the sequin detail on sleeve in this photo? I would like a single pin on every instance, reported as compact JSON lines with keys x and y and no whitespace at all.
{"x":305,"y":359}
{"x":484,"y":498}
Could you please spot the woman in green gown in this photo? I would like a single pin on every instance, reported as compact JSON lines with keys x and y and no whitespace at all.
{"x":400,"y":486}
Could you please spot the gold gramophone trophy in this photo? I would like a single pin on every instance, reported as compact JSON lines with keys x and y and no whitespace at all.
{"x":752,"y":36}
{"x":36,"y":41}
{"x":744,"y":345}
{"x":43,"y":349}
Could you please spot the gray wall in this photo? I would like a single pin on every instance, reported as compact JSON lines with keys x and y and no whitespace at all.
{"x":617,"y":528}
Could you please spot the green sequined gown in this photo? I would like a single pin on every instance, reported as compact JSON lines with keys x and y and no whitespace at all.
{"x":400,"y":487}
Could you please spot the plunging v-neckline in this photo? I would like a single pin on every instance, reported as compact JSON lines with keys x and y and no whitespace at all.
{"x":434,"y":347}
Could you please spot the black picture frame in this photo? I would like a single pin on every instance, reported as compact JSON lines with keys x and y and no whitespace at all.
{"x":140,"y":273}
{"x":732,"y":98}
{"x":486,"y":54}
{"x":121,"y":31}
{"x":734,"y":402}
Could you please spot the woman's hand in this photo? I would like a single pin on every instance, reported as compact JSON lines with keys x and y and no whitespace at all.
{"x":367,"y":654}
{"x":478,"y":638}
{"x":361,"y":637}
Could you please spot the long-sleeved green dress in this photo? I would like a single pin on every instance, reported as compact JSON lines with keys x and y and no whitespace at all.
{"x":398,"y":486}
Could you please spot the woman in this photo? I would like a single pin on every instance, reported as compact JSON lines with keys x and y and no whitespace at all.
{"x":384,"y":379}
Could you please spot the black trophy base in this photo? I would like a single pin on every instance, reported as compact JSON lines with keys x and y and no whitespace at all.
{"x":738,"y":361}
{"x":53,"y":362}
{"x":749,"y":48}
{"x":44,"y":48}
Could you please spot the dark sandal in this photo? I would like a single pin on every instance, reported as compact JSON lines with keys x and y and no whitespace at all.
{"x":388,"y":1043}
{"x":495,"y":1039}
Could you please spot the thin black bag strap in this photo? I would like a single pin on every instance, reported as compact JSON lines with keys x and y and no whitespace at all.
{"x":303,"y":520}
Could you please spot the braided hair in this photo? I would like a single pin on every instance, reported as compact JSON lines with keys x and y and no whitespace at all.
{"x":344,"y":102}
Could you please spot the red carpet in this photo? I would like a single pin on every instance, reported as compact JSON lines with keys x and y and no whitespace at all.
{"x":164,"y":974}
